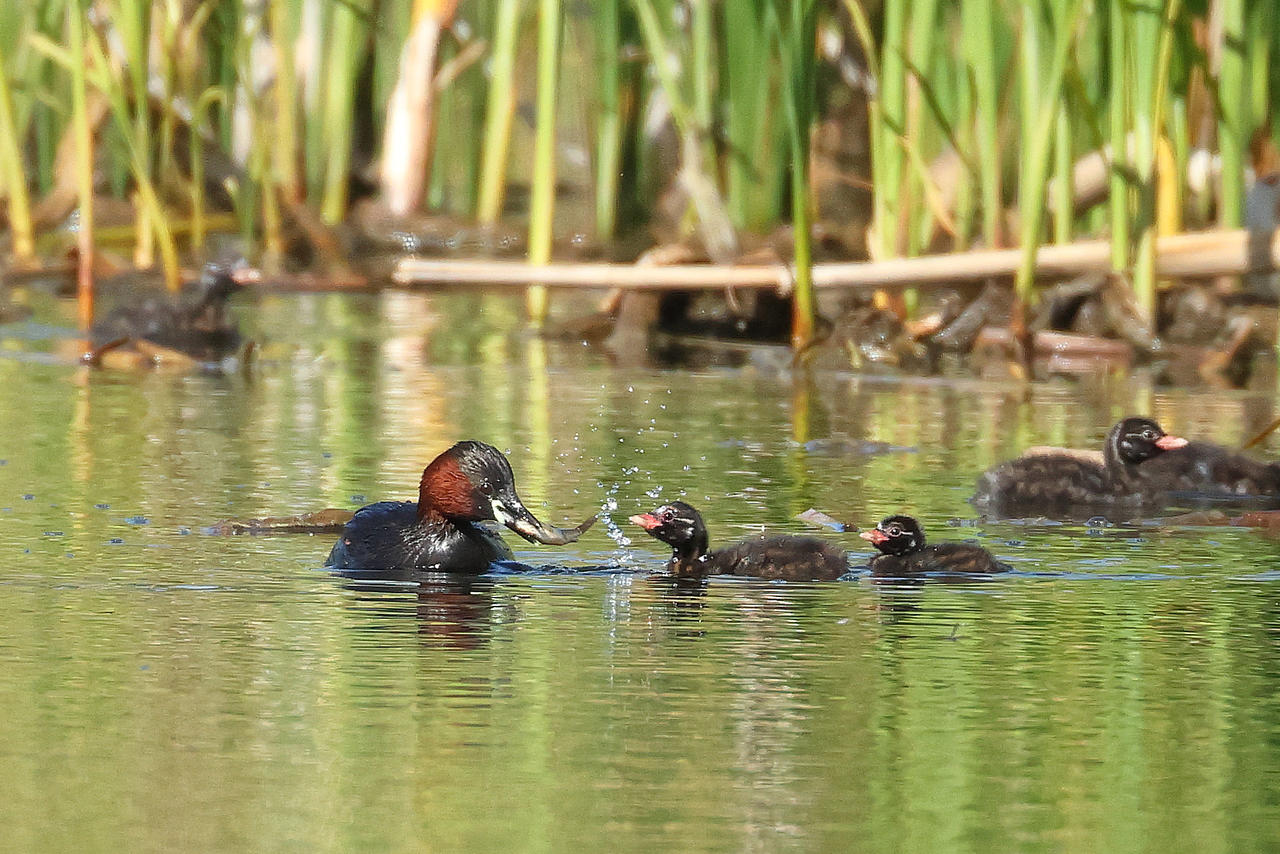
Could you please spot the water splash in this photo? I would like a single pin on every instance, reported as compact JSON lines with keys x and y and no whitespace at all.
{"x":608,"y":507}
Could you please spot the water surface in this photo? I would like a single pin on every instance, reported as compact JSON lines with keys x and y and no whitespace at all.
{"x":166,"y":689}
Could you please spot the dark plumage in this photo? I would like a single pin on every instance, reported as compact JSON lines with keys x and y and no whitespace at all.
{"x":199,"y":325}
{"x":1211,"y":471}
{"x":790,"y":558}
{"x":466,"y":485}
{"x":1062,"y":484}
{"x":900,"y":540}
{"x":393,"y":535}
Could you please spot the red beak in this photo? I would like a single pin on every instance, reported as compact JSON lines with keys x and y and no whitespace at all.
{"x":646,"y":520}
{"x":1168,"y":443}
{"x":875,"y":536}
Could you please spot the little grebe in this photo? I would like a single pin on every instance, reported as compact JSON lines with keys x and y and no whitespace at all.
{"x":196,"y":323}
{"x":900,"y":540}
{"x":470,"y":483}
{"x":1212,"y":471}
{"x":790,"y":558}
{"x":1053,"y":484}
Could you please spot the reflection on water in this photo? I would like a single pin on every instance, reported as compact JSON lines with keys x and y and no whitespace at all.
{"x":449,"y":611}
{"x":166,"y":690}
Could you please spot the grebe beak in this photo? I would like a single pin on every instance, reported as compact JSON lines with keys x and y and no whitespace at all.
{"x":1168,"y":443}
{"x":511,"y":512}
{"x":875,"y":536}
{"x":645,"y":520}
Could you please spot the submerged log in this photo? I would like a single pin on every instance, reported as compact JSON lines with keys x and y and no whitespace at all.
{"x":327,"y":521}
{"x":1196,"y":255}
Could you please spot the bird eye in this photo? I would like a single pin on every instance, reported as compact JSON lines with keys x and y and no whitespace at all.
{"x":486,"y":488}
{"x":668,"y":515}
{"x":1149,"y":435}
{"x":893,"y":530}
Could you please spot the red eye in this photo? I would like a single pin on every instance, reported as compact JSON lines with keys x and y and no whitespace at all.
{"x":668,"y":515}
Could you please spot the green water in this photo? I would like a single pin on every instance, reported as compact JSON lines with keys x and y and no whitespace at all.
{"x":164,"y":689}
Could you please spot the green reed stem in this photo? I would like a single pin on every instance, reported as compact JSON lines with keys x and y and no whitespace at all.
{"x":1232,"y":102}
{"x":797,"y":24}
{"x":499,"y":110}
{"x":1151,"y":32}
{"x":1063,"y":200}
{"x":346,"y":38}
{"x":1037,"y":145}
{"x":978,"y":30}
{"x":1118,"y":126}
{"x":608,"y":30}
{"x":753,"y":169}
{"x":84,"y":162}
{"x":199,"y":125}
{"x":542,"y":193}
{"x":922,"y":38}
{"x":15,"y":179}
{"x":890,"y":127}
{"x":286,"y":134}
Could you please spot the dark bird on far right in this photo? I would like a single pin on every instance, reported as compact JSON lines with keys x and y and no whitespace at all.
{"x":1206,"y":470}
{"x":1068,"y":486}
{"x":904,"y":553}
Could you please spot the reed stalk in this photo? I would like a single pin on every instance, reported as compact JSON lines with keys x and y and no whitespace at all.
{"x":132,"y":21}
{"x":285,"y":125}
{"x":607,"y":17}
{"x":410,"y":126}
{"x":345,"y":47}
{"x":978,"y":32}
{"x":921,"y":40}
{"x":1118,"y":128}
{"x":888,"y":126}
{"x":199,"y":124}
{"x":542,"y":192}
{"x":1151,"y":31}
{"x":14,"y":175}
{"x":745,"y":96}
{"x":151,"y":214}
{"x":966,"y":192}
{"x":703,"y":82}
{"x":500,"y":106}
{"x":84,"y":164}
{"x":1259,"y":51}
{"x":1232,"y":101}
{"x":1038,"y":132}
{"x":797,"y":25}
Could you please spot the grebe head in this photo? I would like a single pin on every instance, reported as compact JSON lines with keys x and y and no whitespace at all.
{"x":896,"y":535}
{"x":1135,"y":440}
{"x":473,"y":482}
{"x":678,"y":525}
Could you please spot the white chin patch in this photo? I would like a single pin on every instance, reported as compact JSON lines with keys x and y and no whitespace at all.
{"x":502,"y":514}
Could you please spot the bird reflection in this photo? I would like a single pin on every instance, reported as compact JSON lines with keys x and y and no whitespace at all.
{"x":898,"y":599}
{"x":452,"y":611}
{"x":684,"y":601}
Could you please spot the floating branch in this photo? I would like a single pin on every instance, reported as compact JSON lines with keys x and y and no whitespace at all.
{"x":1198,"y":255}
